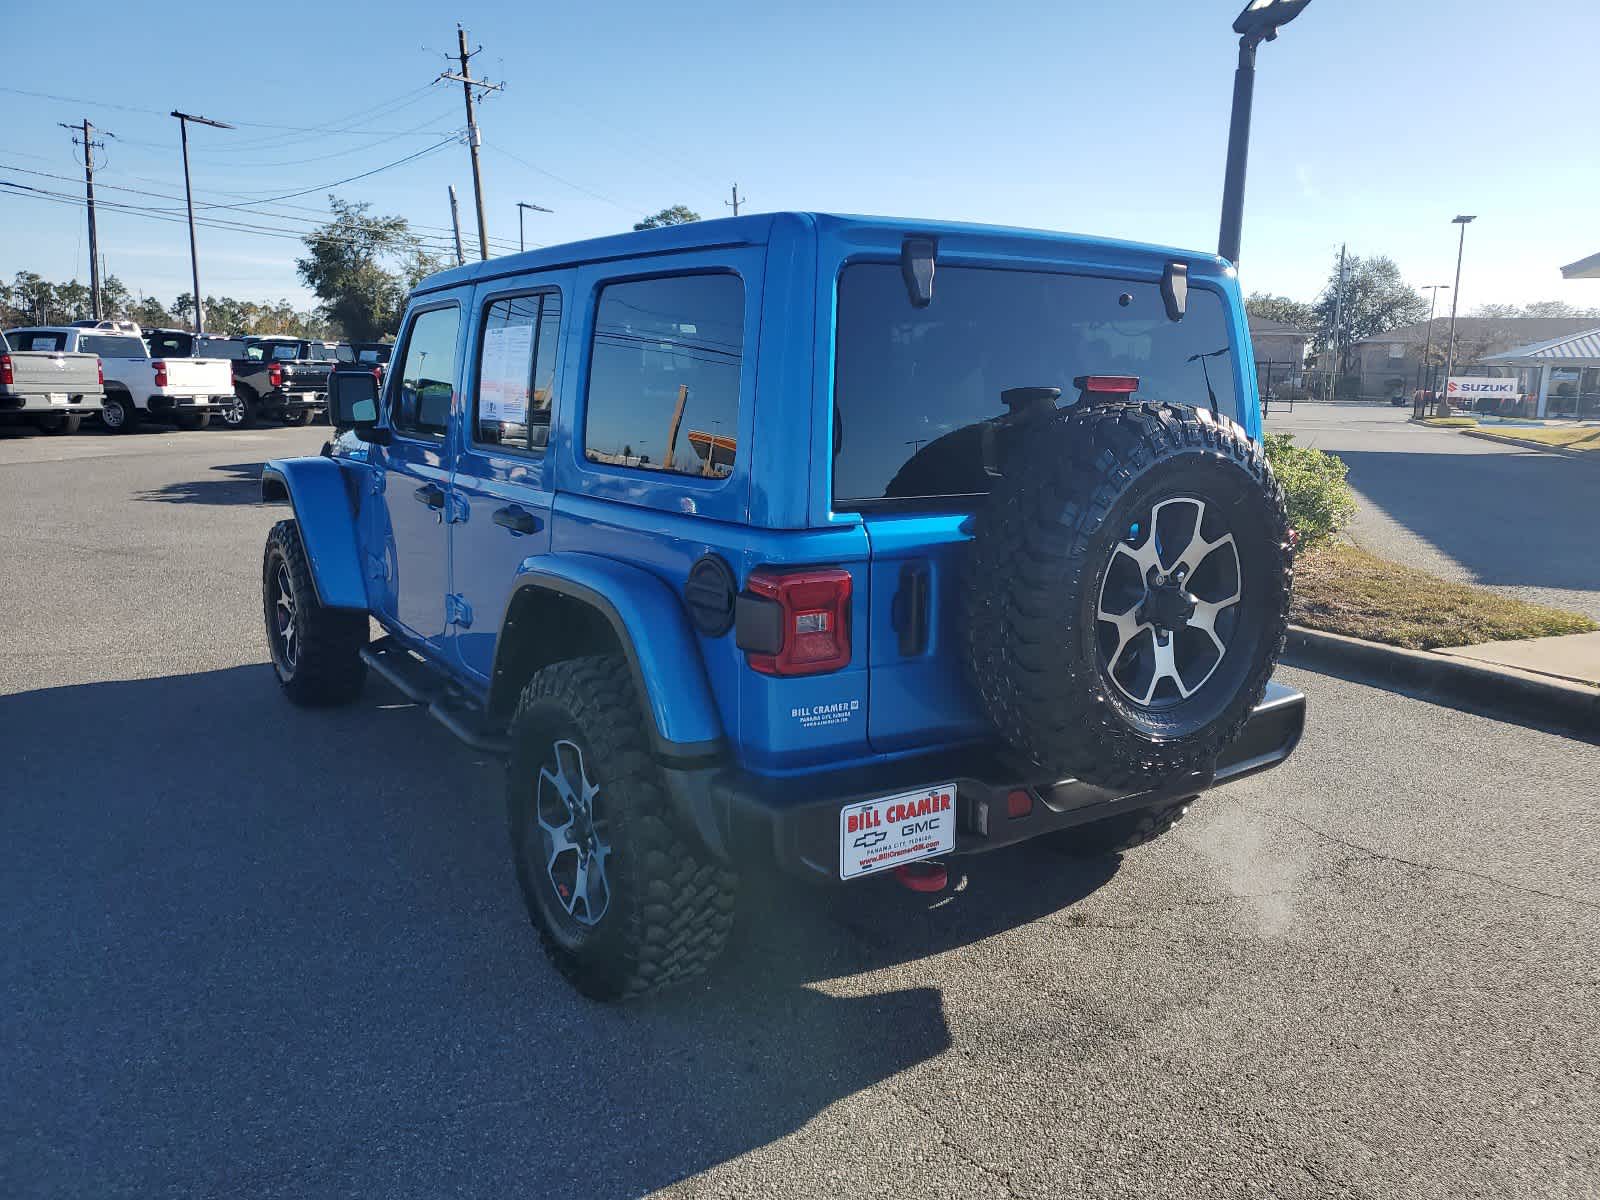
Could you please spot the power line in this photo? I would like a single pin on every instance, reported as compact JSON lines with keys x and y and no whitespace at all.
{"x":474,"y":139}
{"x":632,"y":210}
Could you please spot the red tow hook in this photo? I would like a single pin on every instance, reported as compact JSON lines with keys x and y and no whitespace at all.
{"x":923,"y":876}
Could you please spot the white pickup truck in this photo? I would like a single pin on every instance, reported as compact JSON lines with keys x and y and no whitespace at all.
{"x":184,"y":391}
{"x":52,"y":392}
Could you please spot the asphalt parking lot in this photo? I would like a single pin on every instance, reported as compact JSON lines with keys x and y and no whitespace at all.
{"x":254,"y":951}
{"x":1517,"y":520}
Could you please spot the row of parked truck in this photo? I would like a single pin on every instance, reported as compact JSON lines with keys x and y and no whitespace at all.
{"x":52,"y":377}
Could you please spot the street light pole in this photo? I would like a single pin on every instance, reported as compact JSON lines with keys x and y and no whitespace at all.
{"x":188,"y":195}
{"x":1259,"y":22}
{"x":522,"y":241}
{"x":1455,"y":299}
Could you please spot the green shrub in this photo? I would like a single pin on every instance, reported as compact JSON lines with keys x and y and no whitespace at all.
{"x":1320,"y":501}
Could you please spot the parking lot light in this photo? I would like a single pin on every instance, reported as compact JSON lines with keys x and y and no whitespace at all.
{"x":1259,"y":22}
{"x":523,"y":206}
{"x":1455,"y":296}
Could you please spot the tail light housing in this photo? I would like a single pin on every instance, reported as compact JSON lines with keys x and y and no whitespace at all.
{"x":275,"y":375}
{"x":161,"y":373}
{"x":100,"y":371}
{"x":795,"y":622}
{"x":7,"y":374}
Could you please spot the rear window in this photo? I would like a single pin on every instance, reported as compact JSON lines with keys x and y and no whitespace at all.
{"x":27,"y":339}
{"x":914,"y":388}
{"x":286,"y":351}
{"x":112,"y":347}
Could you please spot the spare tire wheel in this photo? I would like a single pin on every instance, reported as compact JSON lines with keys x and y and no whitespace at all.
{"x":1128,"y":590}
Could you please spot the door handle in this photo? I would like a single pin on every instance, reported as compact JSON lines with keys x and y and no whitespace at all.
{"x":430,"y":495}
{"x":517,"y":519}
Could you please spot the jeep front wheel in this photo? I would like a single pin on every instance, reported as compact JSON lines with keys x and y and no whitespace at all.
{"x":316,"y":651}
{"x":624,"y":901}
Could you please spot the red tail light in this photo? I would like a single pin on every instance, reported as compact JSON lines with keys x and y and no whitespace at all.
{"x":100,"y":370}
{"x":1108,"y":385}
{"x":796,"y":622}
{"x":7,"y":375}
{"x":275,"y":375}
{"x":161,"y":373}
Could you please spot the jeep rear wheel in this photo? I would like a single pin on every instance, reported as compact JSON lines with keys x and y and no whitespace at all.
{"x":316,"y":651}
{"x":1128,"y":592}
{"x":624,"y":901}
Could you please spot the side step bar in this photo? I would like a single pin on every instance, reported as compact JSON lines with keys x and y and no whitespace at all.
{"x":422,"y":685}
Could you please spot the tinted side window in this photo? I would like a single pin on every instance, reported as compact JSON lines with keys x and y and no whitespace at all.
{"x":427,"y":375}
{"x":517,"y":370}
{"x":664,"y":375}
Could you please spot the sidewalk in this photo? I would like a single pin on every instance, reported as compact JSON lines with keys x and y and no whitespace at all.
{"x":1574,"y":657}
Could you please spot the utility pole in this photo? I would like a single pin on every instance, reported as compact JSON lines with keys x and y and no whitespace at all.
{"x":736,"y":201}
{"x":455,"y":223}
{"x":474,"y":139}
{"x":1338,"y":321}
{"x":1455,"y":298}
{"x":89,"y":145}
{"x":1427,"y":344}
{"x":188,"y":195}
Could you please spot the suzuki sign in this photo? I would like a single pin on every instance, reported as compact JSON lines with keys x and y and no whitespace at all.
{"x":1463,"y":389}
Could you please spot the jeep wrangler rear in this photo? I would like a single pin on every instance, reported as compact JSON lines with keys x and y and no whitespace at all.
{"x":840,"y":546}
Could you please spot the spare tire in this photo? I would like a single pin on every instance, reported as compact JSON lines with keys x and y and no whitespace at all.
{"x":1128,"y":590}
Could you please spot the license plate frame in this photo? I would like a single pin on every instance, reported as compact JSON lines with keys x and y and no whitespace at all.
{"x":57,"y":398}
{"x":890,"y":831}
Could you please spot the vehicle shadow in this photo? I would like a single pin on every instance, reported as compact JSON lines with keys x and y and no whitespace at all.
{"x":262,"y":950}
{"x":1513,"y":518}
{"x":236,"y":483}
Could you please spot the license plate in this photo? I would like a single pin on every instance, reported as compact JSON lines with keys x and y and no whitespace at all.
{"x":892,"y":830}
{"x":58,"y":397}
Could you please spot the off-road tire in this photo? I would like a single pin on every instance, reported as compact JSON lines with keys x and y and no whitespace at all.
{"x":1043,"y":541}
{"x":300,"y":416}
{"x":326,"y":668}
{"x":1113,"y":835}
{"x":670,"y":905}
{"x":192,"y":421}
{"x":126,"y":418}
{"x":60,"y":423}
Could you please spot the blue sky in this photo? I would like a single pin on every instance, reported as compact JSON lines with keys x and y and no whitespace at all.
{"x":1375,"y":123}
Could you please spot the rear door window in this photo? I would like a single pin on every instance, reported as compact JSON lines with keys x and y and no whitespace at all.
{"x":664,"y":375}
{"x":516,"y":371}
{"x":915,"y":389}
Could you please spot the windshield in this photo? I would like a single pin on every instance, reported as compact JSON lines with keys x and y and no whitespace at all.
{"x":914,"y":387}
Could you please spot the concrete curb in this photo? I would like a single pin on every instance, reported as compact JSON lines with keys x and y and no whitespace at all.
{"x":1507,"y":440}
{"x":1518,"y":694}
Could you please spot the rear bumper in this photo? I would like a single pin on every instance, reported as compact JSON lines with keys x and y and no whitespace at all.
{"x":793,"y":823}
{"x":189,"y":404}
{"x":294,"y":401}
{"x":39,"y":403}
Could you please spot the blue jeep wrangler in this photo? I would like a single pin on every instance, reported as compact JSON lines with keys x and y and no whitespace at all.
{"x":828,"y":544}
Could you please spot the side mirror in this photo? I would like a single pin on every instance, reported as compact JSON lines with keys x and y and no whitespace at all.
{"x":353,"y":402}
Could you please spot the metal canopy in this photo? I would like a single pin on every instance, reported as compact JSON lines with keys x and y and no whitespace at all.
{"x":1584,"y":268}
{"x":1572,"y":350}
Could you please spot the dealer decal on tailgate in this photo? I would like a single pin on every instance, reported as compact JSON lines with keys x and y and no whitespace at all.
{"x":883,"y":833}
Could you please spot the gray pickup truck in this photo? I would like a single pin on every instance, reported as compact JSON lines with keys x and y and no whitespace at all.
{"x":50,"y":390}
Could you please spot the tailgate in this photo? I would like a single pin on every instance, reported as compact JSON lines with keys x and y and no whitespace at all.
{"x":306,"y":376}
{"x":198,"y":377}
{"x":919,"y":687}
{"x":38,"y":372}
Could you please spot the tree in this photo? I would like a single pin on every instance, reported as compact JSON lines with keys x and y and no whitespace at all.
{"x":345,"y":267}
{"x":1297,"y":313}
{"x":150,"y":313}
{"x":678,"y":214}
{"x":1539,"y":308}
{"x":1375,"y":300}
